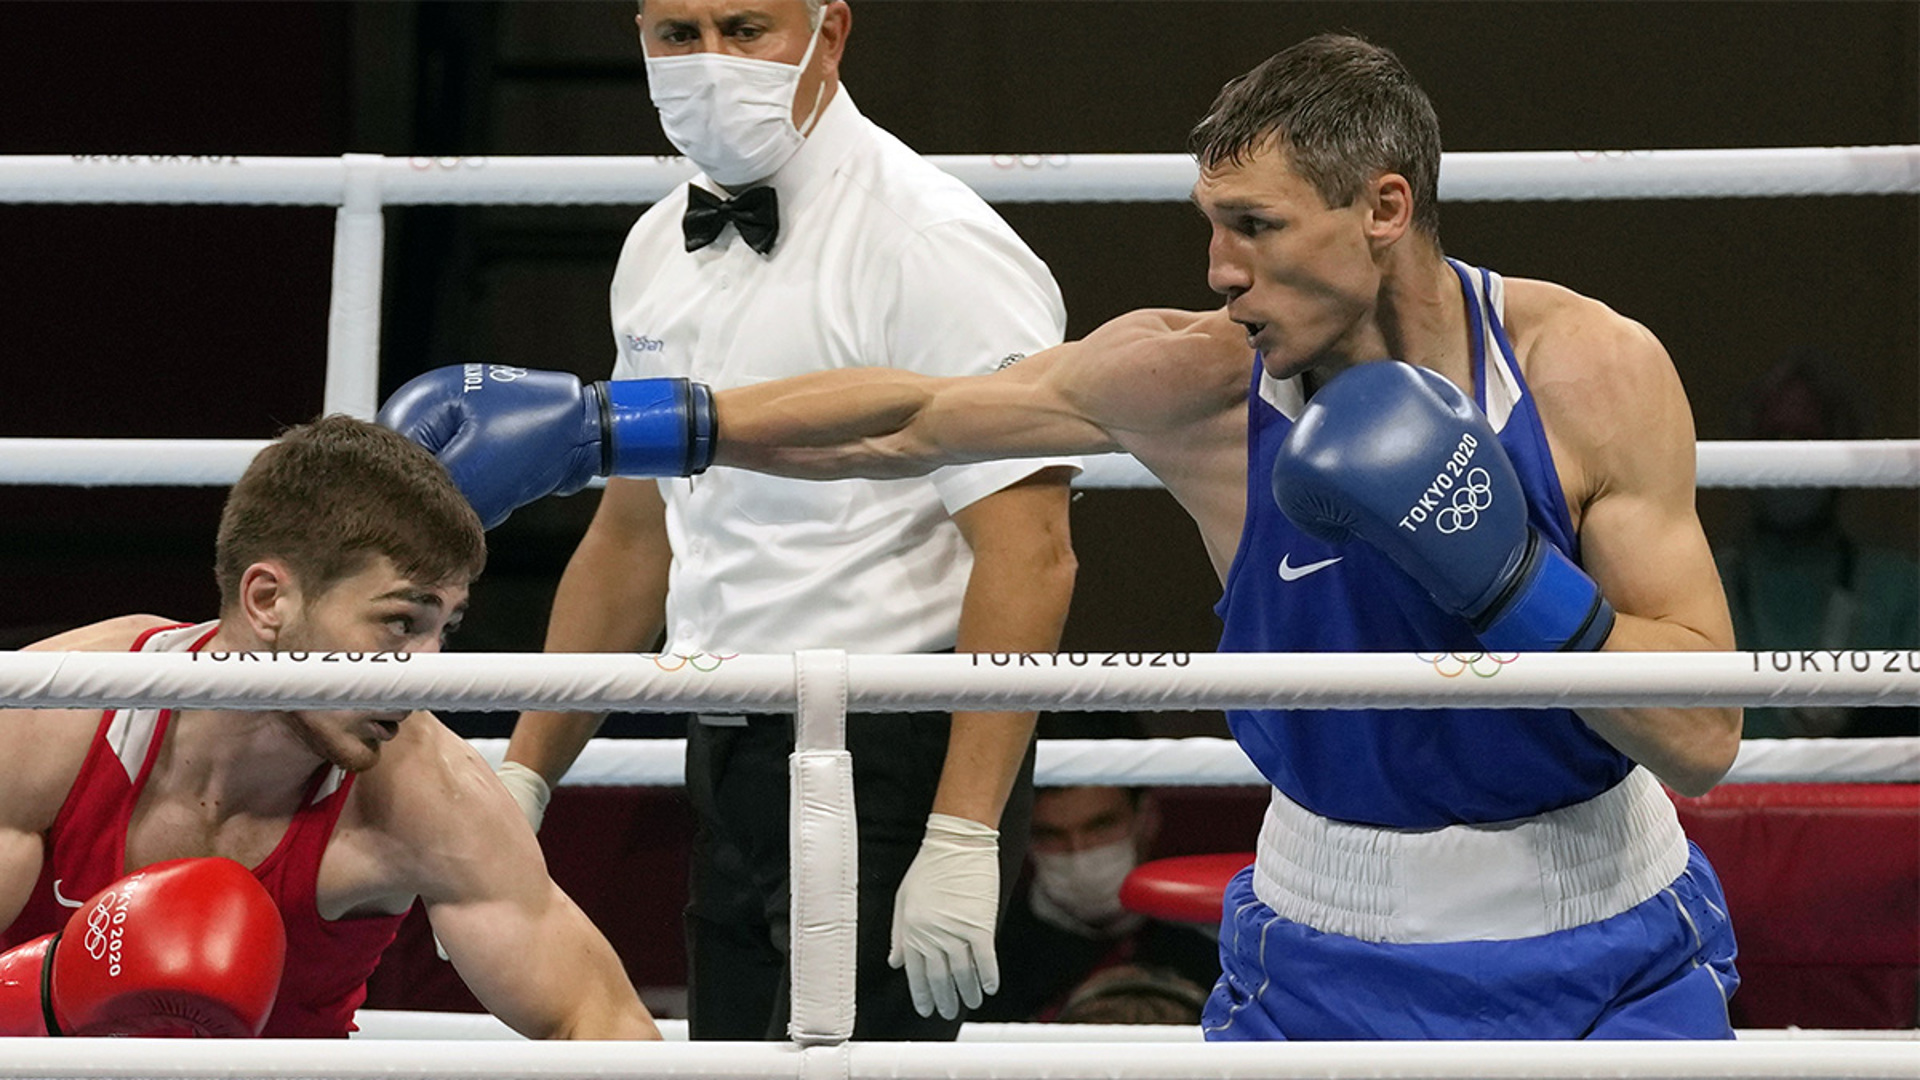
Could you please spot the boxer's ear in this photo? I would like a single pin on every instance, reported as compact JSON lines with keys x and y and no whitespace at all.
{"x":1390,"y":208}
{"x":268,"y":600}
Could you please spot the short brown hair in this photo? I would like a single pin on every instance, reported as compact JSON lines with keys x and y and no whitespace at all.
{"x":1344,"y":110}
{"x":329,"y":496}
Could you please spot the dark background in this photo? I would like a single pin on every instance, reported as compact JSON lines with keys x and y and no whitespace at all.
{"x":210,"y":322}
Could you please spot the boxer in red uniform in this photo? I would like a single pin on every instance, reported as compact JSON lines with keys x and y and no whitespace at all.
{"x":341,"y":539}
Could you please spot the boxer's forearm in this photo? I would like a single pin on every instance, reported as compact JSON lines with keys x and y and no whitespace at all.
{"x":1688,"y":749}
{"x":883,"y":423}
{"x":850,"y":422}
{"x":1016,"y":601}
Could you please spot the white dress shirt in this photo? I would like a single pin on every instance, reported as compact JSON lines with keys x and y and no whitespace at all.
{"x":882,"y":261}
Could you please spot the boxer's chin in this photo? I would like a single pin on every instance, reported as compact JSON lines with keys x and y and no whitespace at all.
{"x":348,"y":740}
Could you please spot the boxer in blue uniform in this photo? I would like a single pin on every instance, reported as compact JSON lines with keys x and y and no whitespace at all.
{"x":1383,"y":449}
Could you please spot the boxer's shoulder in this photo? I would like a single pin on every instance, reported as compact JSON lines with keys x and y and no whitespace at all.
{"x":45,"y":748}
{"x":1606,"y":390}
{"x":1166,"y":366}
{"x":424,"y":782}
{"x":109,"y":635}
{"x":1579,"y":355}
{"x":419,"y":819}
{"x":1163,"y":345}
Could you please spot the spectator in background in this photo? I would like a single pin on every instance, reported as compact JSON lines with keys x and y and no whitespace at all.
{"x":1798,"y":580}
{"x":1065,"y":926}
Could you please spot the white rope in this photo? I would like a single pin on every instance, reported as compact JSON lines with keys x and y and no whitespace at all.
{"x":1726,"y":463}
{"x":488,"y":1059}
{"x":1144,"y":680}
{"x":1208,"y":761}
{"x":410,"y":1024}
{"x":1862,"y":463}
{"x":1464,"y":177}
{"x":126,"y":462}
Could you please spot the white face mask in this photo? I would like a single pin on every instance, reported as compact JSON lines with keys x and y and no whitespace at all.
{"x":1084,"y":885}
{"x":729,"y":115}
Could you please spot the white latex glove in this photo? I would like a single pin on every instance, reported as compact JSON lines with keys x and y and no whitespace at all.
{"x":529,"y":790}
{"x":943,"y":916}
{"x":530,"y":793}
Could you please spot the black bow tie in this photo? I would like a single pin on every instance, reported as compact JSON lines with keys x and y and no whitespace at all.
{"x":755,"y":212}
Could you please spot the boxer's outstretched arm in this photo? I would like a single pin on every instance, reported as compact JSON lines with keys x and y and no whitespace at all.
{"x":1080,"y":397}
{"x":1617,"y":413}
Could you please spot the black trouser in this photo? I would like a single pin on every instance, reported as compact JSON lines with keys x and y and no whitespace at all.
{"x":737,"y":903}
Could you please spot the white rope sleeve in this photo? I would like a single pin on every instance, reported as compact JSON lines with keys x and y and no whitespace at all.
{"x":824,"y":868}
{"x":1464,"y":177}
{"x":1019,"y":681}
{"x":353,"y":310}
{"x":1207,"y":761}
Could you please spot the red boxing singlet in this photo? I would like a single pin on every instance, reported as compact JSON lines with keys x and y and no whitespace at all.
{"x":328,"y":961}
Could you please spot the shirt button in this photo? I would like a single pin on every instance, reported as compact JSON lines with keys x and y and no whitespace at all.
{"x":725,"y":283}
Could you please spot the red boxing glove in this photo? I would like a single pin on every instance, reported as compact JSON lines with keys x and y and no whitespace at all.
{"x":22,"y":1006}
{"x":190,"y":947}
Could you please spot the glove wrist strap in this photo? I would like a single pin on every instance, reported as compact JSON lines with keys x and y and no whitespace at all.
{"x":655,"y":427}
{"x":47,"y":1016}
{"x":1554,"y":606}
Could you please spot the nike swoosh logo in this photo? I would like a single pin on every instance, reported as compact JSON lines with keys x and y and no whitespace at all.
{"x":1295,"y":573}
{"x":61,"y":900}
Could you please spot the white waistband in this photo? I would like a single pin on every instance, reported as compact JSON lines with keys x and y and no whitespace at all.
{"x":1493,"y":882}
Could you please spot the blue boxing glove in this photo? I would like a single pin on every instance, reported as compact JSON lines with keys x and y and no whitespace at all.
{"x":511,"y":435}
{"x":1397,"y":456}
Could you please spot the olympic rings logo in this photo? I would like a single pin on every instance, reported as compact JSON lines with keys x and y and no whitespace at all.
{"x":446,"y":164}
{"x":98,"y":920}
{"x":1031,"y":161}
{"x":700,"y":662}
{"x":1610,"y":155}
{"x":505,"y":373}
{"x":106,"y":930}
{"x":1464,"y":512}
{"x":1483,"y":664}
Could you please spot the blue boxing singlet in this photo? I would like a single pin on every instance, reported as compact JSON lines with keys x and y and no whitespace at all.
{"x":1288,"y":592}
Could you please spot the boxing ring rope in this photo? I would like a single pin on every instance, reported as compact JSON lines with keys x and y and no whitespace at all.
{"x":545,"y":181}
{"x":387,"y":1060}
{"x":410,"y":1024}
{"x":989,"y":681}
{"x":1851,"y":463}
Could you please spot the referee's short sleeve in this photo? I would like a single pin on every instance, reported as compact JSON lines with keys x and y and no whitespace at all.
{"x":970,"y":298}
